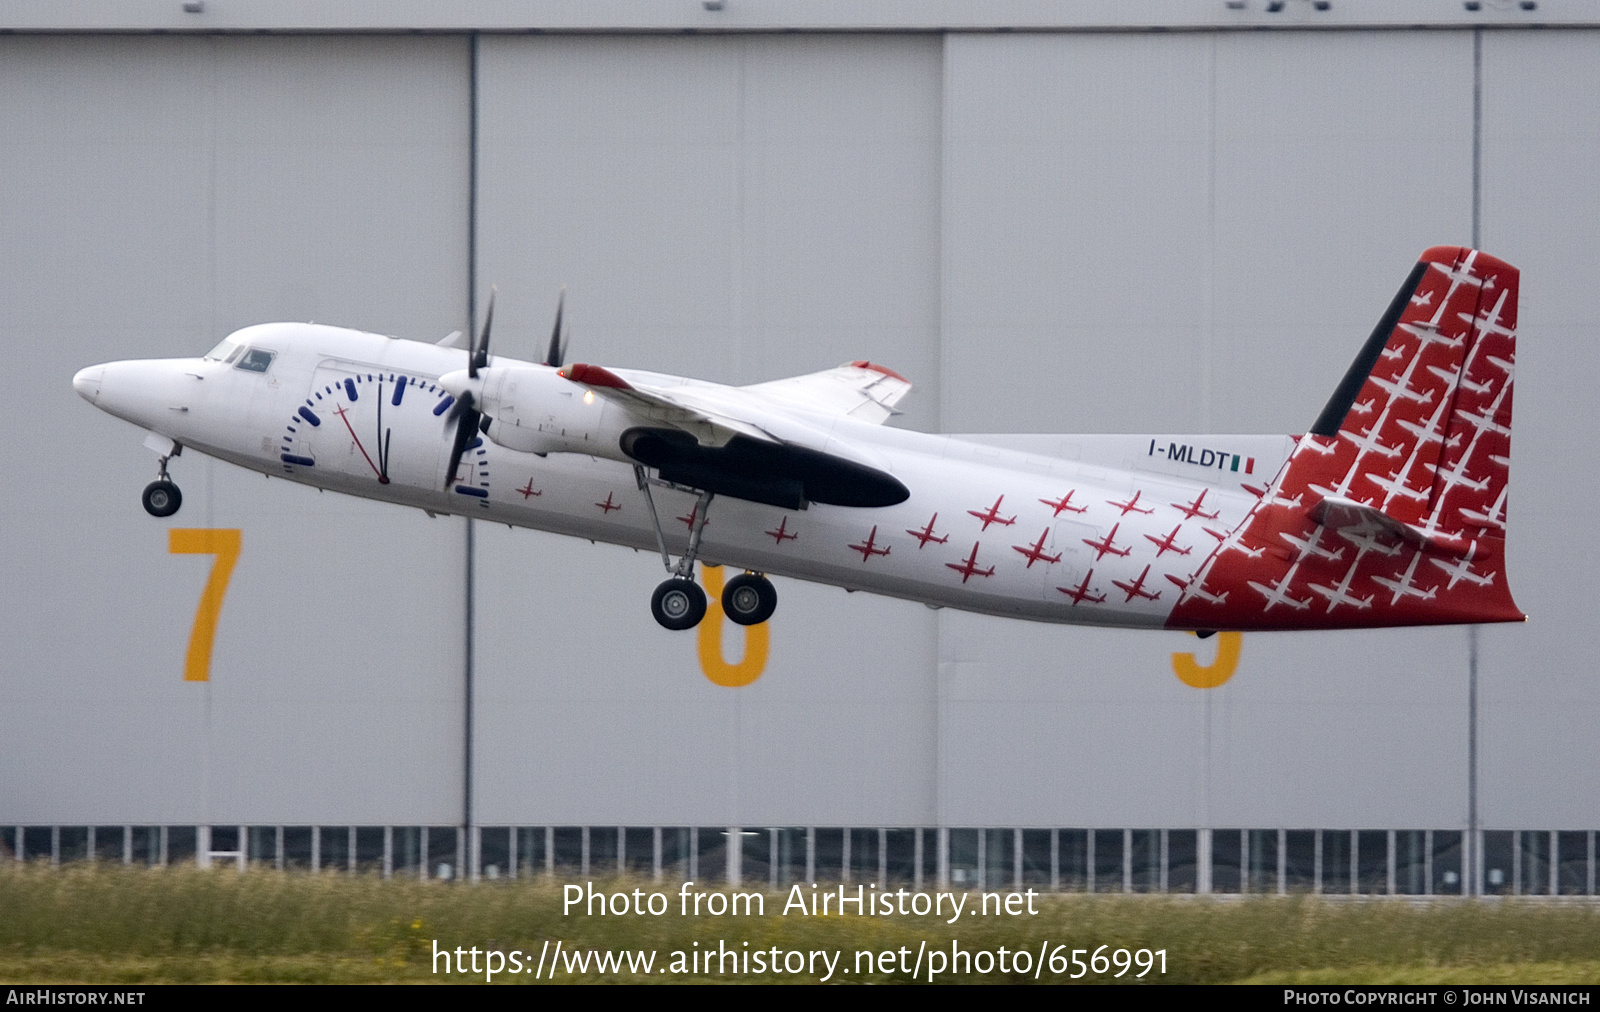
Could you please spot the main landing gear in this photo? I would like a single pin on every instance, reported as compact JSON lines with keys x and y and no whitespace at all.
{"x":161,"y":497}
{"x":749,"y":599}
{"x":679,"y":603}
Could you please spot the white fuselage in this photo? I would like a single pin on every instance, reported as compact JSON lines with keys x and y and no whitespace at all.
{"x":1088,"y":529}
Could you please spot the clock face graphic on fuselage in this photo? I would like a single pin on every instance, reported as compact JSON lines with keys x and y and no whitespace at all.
{"x":363,"y":426}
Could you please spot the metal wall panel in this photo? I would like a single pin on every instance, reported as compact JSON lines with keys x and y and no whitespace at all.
{"x":160,"y":193}
{"x":1541,"y":211}
{"x":1052,"y":232}
{"x":738,"y":209}
{"x":622,"y":16}
{"x":1197,"y":232}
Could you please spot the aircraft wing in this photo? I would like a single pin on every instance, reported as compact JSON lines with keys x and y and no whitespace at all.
{"x":863,"y":390}
{"x":710,"y":424}
{"x":746,"y":442}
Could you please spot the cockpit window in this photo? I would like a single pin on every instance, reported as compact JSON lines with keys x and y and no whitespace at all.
{"x":222,"y":352}
{"x":255,"y":360}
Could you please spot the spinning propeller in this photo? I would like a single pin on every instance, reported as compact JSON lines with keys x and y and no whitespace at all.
{"x":469,"y":420}
{"x":558,"y":347}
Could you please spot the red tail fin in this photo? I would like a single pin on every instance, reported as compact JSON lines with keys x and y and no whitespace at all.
{"x":1392,"y":510}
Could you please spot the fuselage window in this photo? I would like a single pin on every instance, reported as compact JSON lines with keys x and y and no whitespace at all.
{"x":255,"y":360}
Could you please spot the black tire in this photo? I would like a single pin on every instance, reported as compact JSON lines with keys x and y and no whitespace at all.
{"x":678,"y":604}
{"x":749,"y":599}
{"x":161,"y":498}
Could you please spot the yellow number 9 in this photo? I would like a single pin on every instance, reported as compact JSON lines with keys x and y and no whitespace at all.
{"x":1191,"y":672}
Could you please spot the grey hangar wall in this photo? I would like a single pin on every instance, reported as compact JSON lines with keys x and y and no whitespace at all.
{"x":1046,"y":231}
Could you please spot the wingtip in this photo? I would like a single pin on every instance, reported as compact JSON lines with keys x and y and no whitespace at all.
{"x":875,"y":367}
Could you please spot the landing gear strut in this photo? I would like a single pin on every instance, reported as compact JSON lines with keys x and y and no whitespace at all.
{"x":161,"y":497}
{"x":678,"y":603}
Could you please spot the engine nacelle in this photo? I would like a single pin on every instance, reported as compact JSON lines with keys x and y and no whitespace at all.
{"x":535,"y":410}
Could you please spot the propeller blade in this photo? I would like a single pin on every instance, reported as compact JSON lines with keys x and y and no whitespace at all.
{"x":462,"y":404}
{"x":467,"y":419}
{"x":557,"y":352}
{"x":478,"y":358}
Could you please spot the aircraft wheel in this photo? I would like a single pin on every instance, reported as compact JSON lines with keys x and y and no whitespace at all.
{"x":678,"y":604}
{"x":161,"y":498}
{"x":749,"y":599}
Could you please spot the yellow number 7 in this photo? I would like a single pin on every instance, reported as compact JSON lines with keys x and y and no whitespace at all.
{"x":224,"y":544}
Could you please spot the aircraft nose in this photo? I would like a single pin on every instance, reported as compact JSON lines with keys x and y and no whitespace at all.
{"x":87,"y":382}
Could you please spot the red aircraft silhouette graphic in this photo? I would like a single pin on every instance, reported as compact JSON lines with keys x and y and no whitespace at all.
{"x":866,"y":549}
{"x":1192,"y":510}
{"x":926,"y":534}
{"x":782,"y":533}
{"x":992,"y":515}
{"x":1131,"y":505}
{"x":608,"y":505}
{"x":1133,"y":588}
{"x":1108,"y":546}
{"x":1080,"y":593}
{"x":528,"y":490}
{"x":1035,"y":553}
{"x":1165,"y":545}
{"x":969,"y":568}
{"x":694,"y":514}
{"x":1063,"y":504}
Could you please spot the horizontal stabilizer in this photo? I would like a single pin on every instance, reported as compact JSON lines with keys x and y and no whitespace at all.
{"x":1338,"y":514}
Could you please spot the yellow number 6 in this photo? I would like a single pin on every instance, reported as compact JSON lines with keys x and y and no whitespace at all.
{"x":756,"y":641}
{"x":224,"y":544}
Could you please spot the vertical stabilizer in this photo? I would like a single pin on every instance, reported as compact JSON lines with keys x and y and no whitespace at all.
{"x":1392,"y":510}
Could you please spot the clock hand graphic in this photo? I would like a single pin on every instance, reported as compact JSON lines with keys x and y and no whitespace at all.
{"x":402,"y":416}
{"x":343,"y":413}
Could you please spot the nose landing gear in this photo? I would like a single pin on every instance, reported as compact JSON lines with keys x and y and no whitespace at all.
{"x":161,"y":497}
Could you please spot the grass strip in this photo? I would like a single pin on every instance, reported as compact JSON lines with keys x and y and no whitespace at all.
{"x":117,"y":925}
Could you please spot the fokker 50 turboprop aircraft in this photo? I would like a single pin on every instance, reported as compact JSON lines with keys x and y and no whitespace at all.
{"x":1390,"y":511}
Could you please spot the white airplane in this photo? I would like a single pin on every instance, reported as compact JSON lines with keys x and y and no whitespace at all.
{"x":1309,"y":546}
{"x":805,"y":482}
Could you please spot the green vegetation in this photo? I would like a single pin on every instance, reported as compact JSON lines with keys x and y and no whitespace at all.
{"x":114,"y":925}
